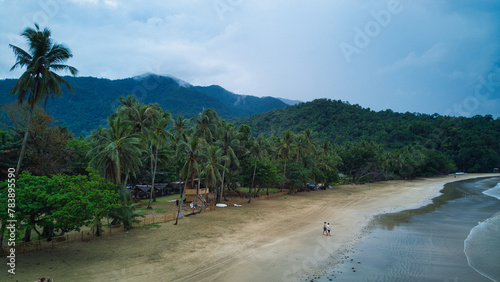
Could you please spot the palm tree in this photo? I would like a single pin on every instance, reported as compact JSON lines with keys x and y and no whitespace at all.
{"x":304,"y":143}
{"x":160,"y":136}
{"x":39,"y":81}
{"x":191,"y":152}
{"x":212,"y":166}
{"x":141,"y":115}
{"x":205,"y":124}
{"x":258,"y":150}
{"x":228,"y":142}
{"x":327,"y":158}
{"x":285,"y":150}
{"x":179,"y":130}
{"x":150,"y":121}
{"x":117,"y":150}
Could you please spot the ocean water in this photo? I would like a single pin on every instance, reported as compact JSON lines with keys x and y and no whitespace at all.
{"x":456,"y":238}
{"x":482,"y":246}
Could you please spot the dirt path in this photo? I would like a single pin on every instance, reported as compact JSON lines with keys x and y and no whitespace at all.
{"x":279,"y":239}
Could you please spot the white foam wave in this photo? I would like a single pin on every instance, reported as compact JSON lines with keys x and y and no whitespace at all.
{"x":482,"y":245}
{"x":493,"y":192}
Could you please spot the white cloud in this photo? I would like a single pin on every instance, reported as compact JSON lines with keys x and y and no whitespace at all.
{"x":278,"y":48}
{"x":431,"y":57}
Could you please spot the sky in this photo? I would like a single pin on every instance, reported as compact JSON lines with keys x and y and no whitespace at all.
{"x":422,"y":56}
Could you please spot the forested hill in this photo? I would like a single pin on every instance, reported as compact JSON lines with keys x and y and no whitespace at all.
{"x":95,"y":99}
{"x":469,"y":142}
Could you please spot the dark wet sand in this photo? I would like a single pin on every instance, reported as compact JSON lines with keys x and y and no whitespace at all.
{"x":425,"y":244}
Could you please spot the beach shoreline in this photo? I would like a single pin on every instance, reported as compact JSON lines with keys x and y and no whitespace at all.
{"x":279,"y":239}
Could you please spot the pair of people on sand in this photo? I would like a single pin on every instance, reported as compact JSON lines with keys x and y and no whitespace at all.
{"x":326,"y":229}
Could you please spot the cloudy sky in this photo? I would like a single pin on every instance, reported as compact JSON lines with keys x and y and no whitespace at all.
{"x":422,"y":56}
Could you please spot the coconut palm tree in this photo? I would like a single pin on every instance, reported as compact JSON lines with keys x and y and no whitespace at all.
{"x":191,"y":152}
{"x":142,"y":116}
{"x":212,"y":166}
{"x":179,"y":131}
{"x":150,"y":121}
{"x":205,"y":124}
{"x":327,"y":159}
{"x":117,"y":150}
{"x":159,"y":139}
{"x":259,"y":148}
{"x":228,"y":140}
{"x":39,"y":81}
{"x":285,"y":149}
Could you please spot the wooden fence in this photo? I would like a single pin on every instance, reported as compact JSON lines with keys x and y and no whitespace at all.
{"x":87,"y":235}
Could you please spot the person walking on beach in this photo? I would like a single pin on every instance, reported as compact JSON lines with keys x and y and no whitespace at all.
{"x":324,"y":228}
{"x":328,"y":229}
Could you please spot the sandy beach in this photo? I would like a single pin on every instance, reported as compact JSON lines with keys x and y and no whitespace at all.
{"x":278,"y":239}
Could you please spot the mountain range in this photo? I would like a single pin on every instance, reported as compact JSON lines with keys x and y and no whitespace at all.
{"x":471,"y":143}
{"x":95,"y":99}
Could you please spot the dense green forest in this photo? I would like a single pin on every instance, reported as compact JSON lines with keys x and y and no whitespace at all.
{"x":307,"y":143}
{"x":144,"y":144}
{"x":66,"y":182}
{"x":94,"y":99}
{"x":471,"y":144}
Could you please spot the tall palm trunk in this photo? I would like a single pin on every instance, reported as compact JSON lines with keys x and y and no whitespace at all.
{"x":26,"y":131}
{"x":25,"y":140}
{"x":253,"y":181}
{"x":125,"y":182}
{"x":197,"y":192}
{"x":284,"y":177}
{"x":153,"y":170}
{"x":181,"y":202}
{"x":2,"y":231}
{"x":222,"y":187}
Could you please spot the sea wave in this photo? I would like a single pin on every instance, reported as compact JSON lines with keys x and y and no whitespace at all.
{"x":493,"y":192}
{"x":482,"y":245}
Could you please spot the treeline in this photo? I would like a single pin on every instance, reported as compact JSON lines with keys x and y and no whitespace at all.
{"x":144,"y":144}
{"x":470,"y":144}
{"x":96,"y":98}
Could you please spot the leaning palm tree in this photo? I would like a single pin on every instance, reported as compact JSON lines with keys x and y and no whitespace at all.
{"x":149,"y":121}
{"x":258,"y":150}
{"x":284,"y":150}
{"x":117,"y":150}
{"x":39,"y":81}
{"x":228,"y":140}
{"x":191,"y":152}
{"x":158,"y":141}
{"x":212,"y":166}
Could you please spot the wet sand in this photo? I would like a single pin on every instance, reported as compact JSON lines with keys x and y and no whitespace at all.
{"x":425,"y":244}
{"x":279,"y":239}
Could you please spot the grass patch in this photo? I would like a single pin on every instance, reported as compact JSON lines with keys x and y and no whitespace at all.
{"x":149,"y":226}
{"x":261,"y":192}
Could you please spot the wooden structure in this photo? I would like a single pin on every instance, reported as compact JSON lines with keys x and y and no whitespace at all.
{"x":143,"y":191}
{"x":190,"y":192}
